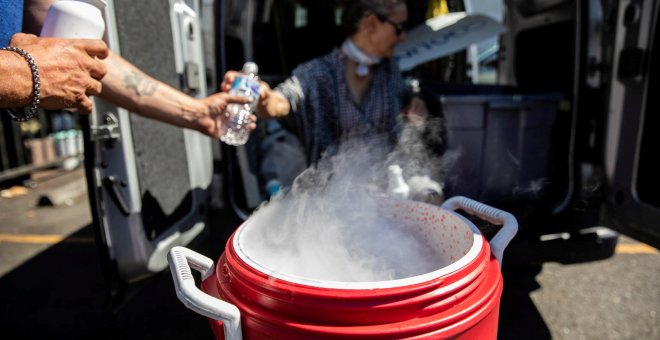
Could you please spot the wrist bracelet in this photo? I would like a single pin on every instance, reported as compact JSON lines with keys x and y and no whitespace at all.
{"x":36,"y":87}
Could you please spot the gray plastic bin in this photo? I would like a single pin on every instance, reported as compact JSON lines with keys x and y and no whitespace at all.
{"x":504,"y":142}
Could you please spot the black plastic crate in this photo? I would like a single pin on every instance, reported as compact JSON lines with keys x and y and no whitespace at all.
{"x":504,"y":143}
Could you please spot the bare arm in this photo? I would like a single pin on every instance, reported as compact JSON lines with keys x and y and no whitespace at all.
{"x":69,"y":72}
{"x":18,"y":91}
{"x":127,"y":86}
{"x":273,"y":104}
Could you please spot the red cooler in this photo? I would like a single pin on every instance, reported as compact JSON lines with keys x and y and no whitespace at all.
{"x":245,"y":299}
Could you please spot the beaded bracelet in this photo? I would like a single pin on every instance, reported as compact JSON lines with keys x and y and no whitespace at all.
{"x":36,"y":88}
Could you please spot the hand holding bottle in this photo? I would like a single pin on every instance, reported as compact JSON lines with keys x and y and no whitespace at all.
{"x":211,"y":123}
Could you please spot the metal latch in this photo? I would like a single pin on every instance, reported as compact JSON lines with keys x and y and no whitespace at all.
{"x":108,"y":131}
{"x":192,"y":76}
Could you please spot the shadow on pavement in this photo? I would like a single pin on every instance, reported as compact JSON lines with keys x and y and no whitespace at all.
{"x":519,"y":317}
{"x":59,"y":294}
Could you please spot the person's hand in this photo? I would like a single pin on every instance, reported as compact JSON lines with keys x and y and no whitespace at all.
{"x":228,"y":80}
{"x":69,"y":69}
{"x":416,"y":112}
{"x":211,"y":122}
{"x":264,"y":91}
{"x":264,"y":88}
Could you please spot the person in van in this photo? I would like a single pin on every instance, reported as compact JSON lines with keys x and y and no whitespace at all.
{"x":355,"y":90}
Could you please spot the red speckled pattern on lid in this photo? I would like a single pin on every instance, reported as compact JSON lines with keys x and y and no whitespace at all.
{"x":446,"y":233}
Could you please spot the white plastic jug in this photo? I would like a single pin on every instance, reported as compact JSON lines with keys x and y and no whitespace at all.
{"x":82,"y":19}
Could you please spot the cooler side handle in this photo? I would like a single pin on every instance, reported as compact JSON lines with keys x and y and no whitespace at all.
{"x":181,"y":259}
{"x":493,"y":215}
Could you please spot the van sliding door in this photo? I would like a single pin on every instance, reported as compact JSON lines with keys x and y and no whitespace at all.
{"x":633,"y":204}
{"x":148,"y":181}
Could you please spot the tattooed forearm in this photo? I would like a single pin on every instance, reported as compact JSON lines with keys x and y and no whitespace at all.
{"x":139,"y":84}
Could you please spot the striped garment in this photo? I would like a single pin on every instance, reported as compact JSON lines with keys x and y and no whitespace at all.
{"x":324,"y":112}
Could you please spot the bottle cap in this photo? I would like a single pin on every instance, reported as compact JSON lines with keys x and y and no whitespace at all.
{"x":250,"y":67}
{"x":100,"y":4}
{"x":273,"y":187}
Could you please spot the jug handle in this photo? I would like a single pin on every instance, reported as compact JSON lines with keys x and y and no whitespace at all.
{"x":493,"y":215}
{"x":181,"y":259}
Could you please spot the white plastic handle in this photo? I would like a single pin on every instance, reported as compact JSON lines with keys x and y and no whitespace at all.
{"x":493,"y":215}
{"x":180,"y":260}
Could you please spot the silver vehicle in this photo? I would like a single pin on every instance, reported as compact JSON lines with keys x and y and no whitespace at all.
{"x":562,"y":137}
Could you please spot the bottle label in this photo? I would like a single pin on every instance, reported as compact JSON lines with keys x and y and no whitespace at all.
{"x":244,"y":85}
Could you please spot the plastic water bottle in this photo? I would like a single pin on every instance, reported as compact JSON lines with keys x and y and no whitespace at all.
{"x":81,"y":19}
{"x":234,"y":127}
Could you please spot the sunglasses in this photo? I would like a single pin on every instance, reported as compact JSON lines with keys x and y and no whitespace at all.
{"x":399,"y":27}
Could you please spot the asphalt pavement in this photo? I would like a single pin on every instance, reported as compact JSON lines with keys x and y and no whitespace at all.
{"x":51,"y":286}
